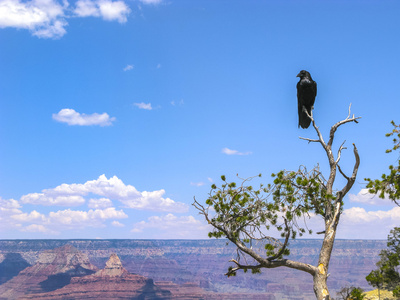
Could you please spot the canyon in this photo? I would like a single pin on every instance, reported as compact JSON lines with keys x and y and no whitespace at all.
{"x":167,"y":269}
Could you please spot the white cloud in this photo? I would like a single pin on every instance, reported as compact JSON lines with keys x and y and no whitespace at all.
{"x":100,"y":203}
{"x":197,"y":183}
{"x":158,"y":66}
{"x":44,"y":18}
{"x":33,"y":216}
{"x":357,"y":223}
{"x":117,"y":224}
{"x":114,"y":10}
{"x":49,"y":200}
{"x":9,"y":204}
{"x":113,"y":188}
{"x":91,"y":218}
{"x":172,"y":226}
{"x":71,"y":117}
{"x":128,"y":67}
{"x":87,"y":8}
{"x":365,"y":197}
{"x":106,"y":9}
{"x":38,"y":228}
{"x":48,"y":18}
{"x":234,"y":152}
{"x":143,"y":105}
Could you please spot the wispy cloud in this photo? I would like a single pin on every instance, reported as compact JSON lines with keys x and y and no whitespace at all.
{"x":142,"y":105}
{"x":158,"y":66}
{"x":228,"y":151}
{"x":197,"y":183}
{"x":117,"y":224}
{"x":151,"y":1}
{"x":128,"y":68}
{"x":71,"y":117}
{"x":175,"y":103}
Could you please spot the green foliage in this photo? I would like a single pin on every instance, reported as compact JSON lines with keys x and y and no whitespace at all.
{"x":389,"y":184}
{"x":245,"y":213}
{"x":396,"y":292}
{"x":387,"y":275}
{"x":375,"y":279}
{"x":357,"y":294}
{"x":351,"y":293}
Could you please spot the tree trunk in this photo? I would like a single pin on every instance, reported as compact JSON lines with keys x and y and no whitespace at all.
{"x":321,"y":275}
{"x":320,"y":286}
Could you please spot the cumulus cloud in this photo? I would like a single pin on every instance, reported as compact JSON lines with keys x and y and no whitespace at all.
{"x":172,"y":226}
{"x":228,"y":151}
{"x":71,"y":117}
{"x":112,"y":188}
{"x":107,"y":10}
{"x":33,"y":216}
{"x":51,"y":200}
{"x":39,"y":228}
{"x":91,"y":218}
{"x":48,"y":18}
{"x":365,"y":197}
{"x":44,"y":18}
{"x":142,"y":105}
{"x":87,"y":8}
{"x":358,"y":223}
{"x":99,"y":203}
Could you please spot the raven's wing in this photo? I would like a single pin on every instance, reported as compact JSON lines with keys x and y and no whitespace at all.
{"x":306,"y":92}
{"x":300,"y":104}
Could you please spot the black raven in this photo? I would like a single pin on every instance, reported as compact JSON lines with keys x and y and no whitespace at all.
{"x":306,"y":92}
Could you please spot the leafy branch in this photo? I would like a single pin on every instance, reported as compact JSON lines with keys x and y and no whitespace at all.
{"x":389,"y":185}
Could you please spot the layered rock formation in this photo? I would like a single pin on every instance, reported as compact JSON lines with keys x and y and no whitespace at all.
{"x":12,"y":264}
{"x":53,"y":270}
{"x":204,"y":263}
{"x":112,"y":282}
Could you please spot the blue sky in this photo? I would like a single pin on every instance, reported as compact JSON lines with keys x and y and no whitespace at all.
{"x":115,"y":114}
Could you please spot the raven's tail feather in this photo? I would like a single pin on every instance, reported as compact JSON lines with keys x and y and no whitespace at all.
{"x":304,"y":120}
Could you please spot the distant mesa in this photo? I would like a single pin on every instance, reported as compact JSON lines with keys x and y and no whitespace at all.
{"x":53,"y":270}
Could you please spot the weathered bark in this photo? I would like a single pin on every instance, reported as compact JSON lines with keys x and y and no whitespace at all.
{"x":331,"y":209}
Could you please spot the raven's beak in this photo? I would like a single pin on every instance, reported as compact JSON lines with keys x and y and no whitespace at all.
{"x":298,"y":75}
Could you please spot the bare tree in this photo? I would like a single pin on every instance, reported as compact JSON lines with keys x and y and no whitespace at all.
{"x":243,"y":214}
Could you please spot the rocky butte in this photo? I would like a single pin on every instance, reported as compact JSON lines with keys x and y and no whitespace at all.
{"x":53,"y":270}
